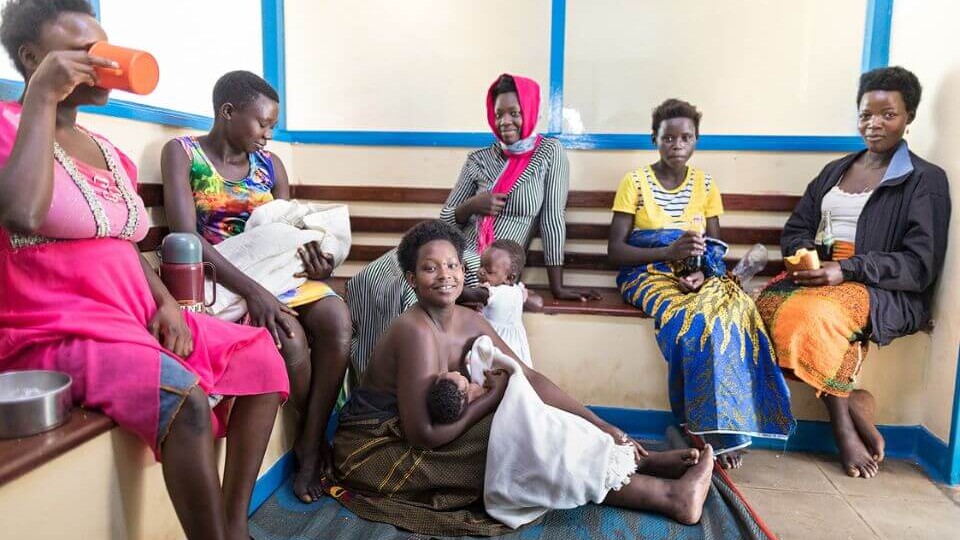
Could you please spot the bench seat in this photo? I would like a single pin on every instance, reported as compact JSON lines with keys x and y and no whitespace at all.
{"x":19,"y":456}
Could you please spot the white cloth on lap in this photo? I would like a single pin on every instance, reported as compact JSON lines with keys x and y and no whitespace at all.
{"x":267,"y":249}
{"x":331,"y":220}
{"x":541,"y":458}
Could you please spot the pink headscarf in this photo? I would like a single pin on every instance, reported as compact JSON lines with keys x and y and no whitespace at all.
{"x":519,"y":153}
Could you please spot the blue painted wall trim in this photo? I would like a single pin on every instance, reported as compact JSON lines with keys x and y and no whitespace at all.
{"x":388,"y":138}
{"x":95,"y":4}
{"x":274,"y":55}
{"x":149,"y":113}
{"x":876,"y":38}
{"x":610,"y":141}
{"x":953,"y":458}
{"x":768,"y":143}
{"x":558,"y":39}
{"x":904,"y":442}
{"x":271,"y":480}
{"x":11,"y":90}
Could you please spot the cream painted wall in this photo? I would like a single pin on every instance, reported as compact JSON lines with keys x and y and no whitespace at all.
{"x":109,"y":487}
{"x":142,"y":141}
{"x":917,"y":43}
{"x":626,"y":368}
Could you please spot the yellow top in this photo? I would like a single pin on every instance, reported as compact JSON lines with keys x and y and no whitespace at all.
{"x":655,"y":207}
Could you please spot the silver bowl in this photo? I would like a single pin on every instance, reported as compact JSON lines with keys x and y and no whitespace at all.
{"x":32,"y":402}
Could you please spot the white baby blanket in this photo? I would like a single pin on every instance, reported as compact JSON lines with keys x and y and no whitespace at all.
{"x":541,"y":458}
{"x":267,"y":249}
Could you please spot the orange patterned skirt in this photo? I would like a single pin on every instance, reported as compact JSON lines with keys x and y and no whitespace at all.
{"x":818,"y":333}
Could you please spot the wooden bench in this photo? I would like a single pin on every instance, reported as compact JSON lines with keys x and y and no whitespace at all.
{"x":20,"y":456}
{"x":611,"y":304}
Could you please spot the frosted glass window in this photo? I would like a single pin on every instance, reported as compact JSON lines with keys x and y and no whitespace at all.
{"x":410,"y":65}
{"x":763,"y":67}
{"x":195,"y":42}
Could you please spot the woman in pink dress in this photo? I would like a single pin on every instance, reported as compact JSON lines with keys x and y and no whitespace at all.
{"x":79,"y":298}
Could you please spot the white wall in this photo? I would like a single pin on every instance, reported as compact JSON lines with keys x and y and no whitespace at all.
{"x":918,"y":43}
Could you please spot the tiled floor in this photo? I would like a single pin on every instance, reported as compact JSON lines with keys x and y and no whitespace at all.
{"x":807,"y":496}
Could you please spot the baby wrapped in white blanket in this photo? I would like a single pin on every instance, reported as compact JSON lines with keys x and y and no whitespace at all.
{"x":541,"y":458}
{"x":267,"y":249}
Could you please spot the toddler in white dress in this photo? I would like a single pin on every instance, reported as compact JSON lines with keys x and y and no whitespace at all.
{"x":500,"y":269}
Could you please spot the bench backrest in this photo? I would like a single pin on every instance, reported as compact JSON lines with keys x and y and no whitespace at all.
{"x":583,"y":200}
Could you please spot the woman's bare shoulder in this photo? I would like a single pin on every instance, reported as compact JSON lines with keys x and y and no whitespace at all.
{"x":472,"y":323}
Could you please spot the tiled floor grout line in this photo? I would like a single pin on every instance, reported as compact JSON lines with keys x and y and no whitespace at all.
{"x":846,"y":500}
{"x":786,"y":490}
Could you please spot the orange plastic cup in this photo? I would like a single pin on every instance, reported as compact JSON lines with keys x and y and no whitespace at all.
{"x":138,"y":71}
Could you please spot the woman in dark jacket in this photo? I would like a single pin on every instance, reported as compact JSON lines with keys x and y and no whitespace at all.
{"x":890,"y":210}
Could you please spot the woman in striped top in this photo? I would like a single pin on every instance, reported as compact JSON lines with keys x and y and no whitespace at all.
{"x":723,"y":381}
{"x":506,"y":190}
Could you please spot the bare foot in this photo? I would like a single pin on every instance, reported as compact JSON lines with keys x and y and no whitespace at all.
{"x":313,"y":464}
{"x":688,"y":493}
{"x":863,"y":409}
{"x":854,"y":455}
{"x":731,"y":460}
{"x":669,"y":464}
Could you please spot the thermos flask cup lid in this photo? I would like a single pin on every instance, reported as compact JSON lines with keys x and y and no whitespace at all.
{"x":181,"y":248}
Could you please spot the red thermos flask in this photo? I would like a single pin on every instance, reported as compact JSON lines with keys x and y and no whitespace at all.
{"x":181,"y":269}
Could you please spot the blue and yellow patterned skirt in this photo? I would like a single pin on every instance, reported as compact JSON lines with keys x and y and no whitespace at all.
{"x":723,"y":379}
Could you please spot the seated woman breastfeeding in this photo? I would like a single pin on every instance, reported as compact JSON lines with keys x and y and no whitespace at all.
{"x":402,"y":468}
{"x":211,"y":185}
{"x":723,"y":380}
{"x":508,"y":190}
{"x":79,"y":298}
{"x":890,"y":211}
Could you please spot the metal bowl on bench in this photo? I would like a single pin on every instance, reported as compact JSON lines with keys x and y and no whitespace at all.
{"x":32,"y":402}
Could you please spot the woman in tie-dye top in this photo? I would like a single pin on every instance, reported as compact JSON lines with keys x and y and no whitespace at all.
{"x":211,"y":185}
{"x":223,"y":205}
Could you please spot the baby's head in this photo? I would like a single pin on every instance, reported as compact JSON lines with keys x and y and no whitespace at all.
{"x":447,"y":398}
{"x":502,"y":263}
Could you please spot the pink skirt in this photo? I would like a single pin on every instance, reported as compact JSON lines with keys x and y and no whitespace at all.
{"x":82,"y":307}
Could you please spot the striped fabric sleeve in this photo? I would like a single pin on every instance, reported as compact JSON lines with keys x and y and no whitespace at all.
{"x":553,"y":227}
{"x":714,"y":202}
{"x":466,"y":187}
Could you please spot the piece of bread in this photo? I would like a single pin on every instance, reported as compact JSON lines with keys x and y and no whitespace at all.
{"x":803,"y":259}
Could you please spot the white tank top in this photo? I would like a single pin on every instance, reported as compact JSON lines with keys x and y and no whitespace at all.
{"x":845,"y":209}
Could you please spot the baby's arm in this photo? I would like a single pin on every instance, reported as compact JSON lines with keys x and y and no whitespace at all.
{"x":532,"y":301}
